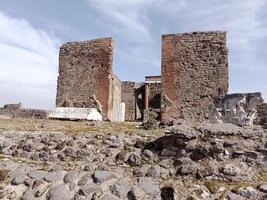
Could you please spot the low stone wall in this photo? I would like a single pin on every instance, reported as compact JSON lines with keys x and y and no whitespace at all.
{"x":19,"y":112}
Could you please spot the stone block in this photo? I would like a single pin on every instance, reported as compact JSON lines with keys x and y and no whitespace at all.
{"x":76,"y":114}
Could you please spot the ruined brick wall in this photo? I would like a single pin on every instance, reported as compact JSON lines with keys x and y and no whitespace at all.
{"x":154,"y":95}
{"x":128,"y":97}
{"x":132,"y":95}
{"x":85,"y":75}
{"x":17,"y":111}
{"x":194,"y":72}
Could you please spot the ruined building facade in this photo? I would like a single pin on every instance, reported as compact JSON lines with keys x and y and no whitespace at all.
{"x":194,"y":73}
{"x":86,"y":79}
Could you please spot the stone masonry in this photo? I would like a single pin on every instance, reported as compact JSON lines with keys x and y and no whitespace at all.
{"x":132,"y":95}
{"x":86,"y":78}
{"x":17,"y":111}
{"x":194,"y":73}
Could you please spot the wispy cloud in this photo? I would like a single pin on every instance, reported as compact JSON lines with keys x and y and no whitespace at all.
{"x":131,"y":18}
{"x":28,"y":63}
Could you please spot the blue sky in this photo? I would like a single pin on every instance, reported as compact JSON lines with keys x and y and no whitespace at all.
{"x":31,"y":32}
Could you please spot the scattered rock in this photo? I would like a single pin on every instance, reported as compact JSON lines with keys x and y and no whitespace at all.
{"x":85,"y":179}
{"x":108,"y":197}
{"x":116,"y":142}
{"x":139,"y":172}
{"x":58,"y":192}
{"x":248,"y":192}
{"x":18,"y":180}
{"x":54,"y":176}
{"x":134,"y":159}
{"x":154,"y":171}
{"x":101,"y":176}
{"x":3,"y":174}
{"x":187,"y":168}
{"x":88,"y":190}
{"x":263,"y":188}
{"x":151,"y":123}
{"x":121,"y":188}
{"x":36,"y":174}
{"x":136,"y":193}
{"x":230,"y":170}
{"x":122,"y":157}
{"x":147,"y":155}
{"x":149,"y":186}
{"x":71,"y":176}
{"x":183,"y":132}
{"x":233,"y":196}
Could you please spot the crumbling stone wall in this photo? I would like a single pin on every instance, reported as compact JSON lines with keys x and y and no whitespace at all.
{"x":194,"y":73}
{"x":154,"y":95}
{"x":128,"y":97}
{"x":132,"y":95}
{"x":17,"y":111}
{"x":85,"y":75}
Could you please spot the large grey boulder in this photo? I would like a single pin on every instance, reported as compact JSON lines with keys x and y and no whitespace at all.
{"x":149,"y":186}
{"x":121,"y":188}
{"x":71,"y":176}
{"x":58,"y":192}
{"x":101,"y":176}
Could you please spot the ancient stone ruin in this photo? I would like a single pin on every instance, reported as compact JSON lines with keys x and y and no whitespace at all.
{"x":238,"y":109}
{"x":188,"y":158}
{"x":86,"y":79}
{"x":194,"y":72}
{"x":17,"y":111}
{"x":194,"y":77}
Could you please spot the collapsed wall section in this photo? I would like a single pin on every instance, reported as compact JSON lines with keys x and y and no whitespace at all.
{"x":154,"y":95}
{"x":17,"y":111}
{"x":194,"y":73}
{"x":85,"y":75}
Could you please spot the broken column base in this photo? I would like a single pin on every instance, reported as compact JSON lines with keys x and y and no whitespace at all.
{"x":238,"y":109}
{"x":90,"y":114}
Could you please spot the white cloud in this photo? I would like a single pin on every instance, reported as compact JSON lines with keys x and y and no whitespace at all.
{"x":129,"y":19}
{"x":138,"y":24}
{"x":28,"y":67}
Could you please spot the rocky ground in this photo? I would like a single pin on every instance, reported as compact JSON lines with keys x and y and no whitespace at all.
{"x":59,"y":160}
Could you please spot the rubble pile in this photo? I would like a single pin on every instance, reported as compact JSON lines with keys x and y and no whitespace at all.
{"x":189,"y":161}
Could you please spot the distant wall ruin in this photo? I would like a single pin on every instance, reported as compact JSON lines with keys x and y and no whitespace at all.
{"x":132,"y":96}
{"x":17,"y":111}
{"x":86,"y":78}
{"x":194,"y":72}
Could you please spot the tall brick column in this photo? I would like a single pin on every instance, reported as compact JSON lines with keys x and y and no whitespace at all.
{"x":85,"y":75}
{"x":194,"y":73}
